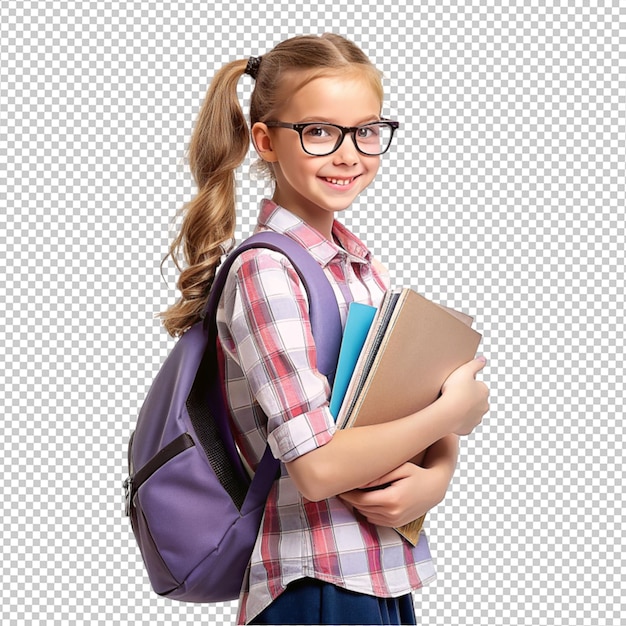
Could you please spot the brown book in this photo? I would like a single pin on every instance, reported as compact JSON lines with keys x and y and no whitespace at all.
{"x":412,"y":347}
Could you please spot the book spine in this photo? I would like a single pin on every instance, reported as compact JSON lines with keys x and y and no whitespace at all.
{"x":368,"y":358}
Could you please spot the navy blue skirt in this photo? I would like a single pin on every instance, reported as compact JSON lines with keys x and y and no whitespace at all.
{"x":310,"y":601}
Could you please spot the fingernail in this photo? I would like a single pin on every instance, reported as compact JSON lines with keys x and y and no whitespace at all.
{"x":482,"y":358}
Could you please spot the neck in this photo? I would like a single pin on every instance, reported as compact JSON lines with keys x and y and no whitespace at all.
{"x":322,"y":222}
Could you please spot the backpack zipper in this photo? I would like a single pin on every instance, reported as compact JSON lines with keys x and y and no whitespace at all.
{"x":134,"y":481}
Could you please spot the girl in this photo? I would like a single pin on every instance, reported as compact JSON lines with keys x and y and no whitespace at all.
{"x":326,"y":551}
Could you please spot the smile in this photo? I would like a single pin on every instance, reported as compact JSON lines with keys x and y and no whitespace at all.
{"x":342,"y":182}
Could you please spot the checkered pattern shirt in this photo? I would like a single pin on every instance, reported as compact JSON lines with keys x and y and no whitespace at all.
{"x":277,"y":396}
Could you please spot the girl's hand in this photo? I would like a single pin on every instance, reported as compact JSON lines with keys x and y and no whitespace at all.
{"x":409,"y":491}
{"x":466,"y":395}
{"x":399,"y":503}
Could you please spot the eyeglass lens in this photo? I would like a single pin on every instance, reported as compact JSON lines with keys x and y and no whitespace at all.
{"x":322,"y":139}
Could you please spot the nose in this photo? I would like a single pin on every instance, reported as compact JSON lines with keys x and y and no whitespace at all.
{"x":346,"y":152}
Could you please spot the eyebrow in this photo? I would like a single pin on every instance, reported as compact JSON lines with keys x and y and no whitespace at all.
{"x":322,"y":120}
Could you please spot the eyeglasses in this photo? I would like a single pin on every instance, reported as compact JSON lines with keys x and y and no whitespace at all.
{"x":321,"y":139}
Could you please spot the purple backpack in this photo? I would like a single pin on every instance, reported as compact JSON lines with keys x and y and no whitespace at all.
{"x":193,"y":509}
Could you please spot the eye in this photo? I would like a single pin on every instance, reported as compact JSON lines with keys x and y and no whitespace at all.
{"x":369,"y":132}
{"x":320,"y":132}
{"x":316,"y":131}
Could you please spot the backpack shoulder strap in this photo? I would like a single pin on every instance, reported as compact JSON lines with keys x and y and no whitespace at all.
{"x":323,"y":311}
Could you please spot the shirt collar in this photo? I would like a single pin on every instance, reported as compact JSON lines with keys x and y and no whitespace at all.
{"x":281,"y":220}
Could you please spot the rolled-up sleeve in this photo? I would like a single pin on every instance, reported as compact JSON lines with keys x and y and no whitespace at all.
{"x":269,"y":336}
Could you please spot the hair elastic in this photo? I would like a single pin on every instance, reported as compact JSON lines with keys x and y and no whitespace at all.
{"x":252,"y":69}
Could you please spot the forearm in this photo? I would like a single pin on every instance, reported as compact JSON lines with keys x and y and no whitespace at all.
{"x":441,"y":458}
{"x":356,"y":456}
{"x":444,"y":453}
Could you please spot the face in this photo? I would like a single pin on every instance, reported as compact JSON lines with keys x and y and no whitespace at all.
{"x":317,"y":187}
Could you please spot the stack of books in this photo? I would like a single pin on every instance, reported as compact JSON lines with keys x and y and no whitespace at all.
{"x":394,"y":360}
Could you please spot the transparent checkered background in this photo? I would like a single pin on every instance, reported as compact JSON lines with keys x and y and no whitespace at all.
{"x":503,"y":196}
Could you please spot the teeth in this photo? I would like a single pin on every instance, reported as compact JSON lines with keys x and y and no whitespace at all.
{"x":339,"y":181}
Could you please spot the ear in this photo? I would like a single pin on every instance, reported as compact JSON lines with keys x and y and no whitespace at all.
{"x":263,"y":142}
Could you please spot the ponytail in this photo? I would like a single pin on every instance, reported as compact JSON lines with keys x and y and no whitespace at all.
{"x":218,"y":146}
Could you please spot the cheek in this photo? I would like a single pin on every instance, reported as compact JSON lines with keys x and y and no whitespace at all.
{"x":373,"y":164}
{"x":294,"y":175}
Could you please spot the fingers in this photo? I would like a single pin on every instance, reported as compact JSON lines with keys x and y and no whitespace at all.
{"x":400,"y":472}
{"x":379,"y":492}
{"x":465,"y":371}
{"x":359,"y":499}
{"x":476,"y":365}
{"x":388,"y":507}
{"x":368,"y":498}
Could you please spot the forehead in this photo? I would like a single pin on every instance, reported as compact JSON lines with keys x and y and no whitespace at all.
{"x":348,"y":99}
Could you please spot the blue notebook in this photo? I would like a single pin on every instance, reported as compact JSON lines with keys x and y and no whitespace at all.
{"x":358,"y":323}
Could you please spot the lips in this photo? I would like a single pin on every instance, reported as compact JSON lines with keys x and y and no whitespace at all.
{"x":340,"y":182}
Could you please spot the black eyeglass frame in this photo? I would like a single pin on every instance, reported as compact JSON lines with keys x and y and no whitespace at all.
{"x":344,"y":131}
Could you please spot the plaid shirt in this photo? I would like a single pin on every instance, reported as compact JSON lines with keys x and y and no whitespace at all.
{"x":277,"y":396}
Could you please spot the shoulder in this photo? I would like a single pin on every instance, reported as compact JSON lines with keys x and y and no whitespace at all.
{"x":381,"y":273}
{"x":262,"y":273}
{"x":262,"y":289}
{"x":261,"y":263}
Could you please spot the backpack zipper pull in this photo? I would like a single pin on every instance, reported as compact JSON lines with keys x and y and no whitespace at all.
{"x":128,"y":495}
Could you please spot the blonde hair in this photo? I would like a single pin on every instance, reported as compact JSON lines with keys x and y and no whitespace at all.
{"x":220,"y":142}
